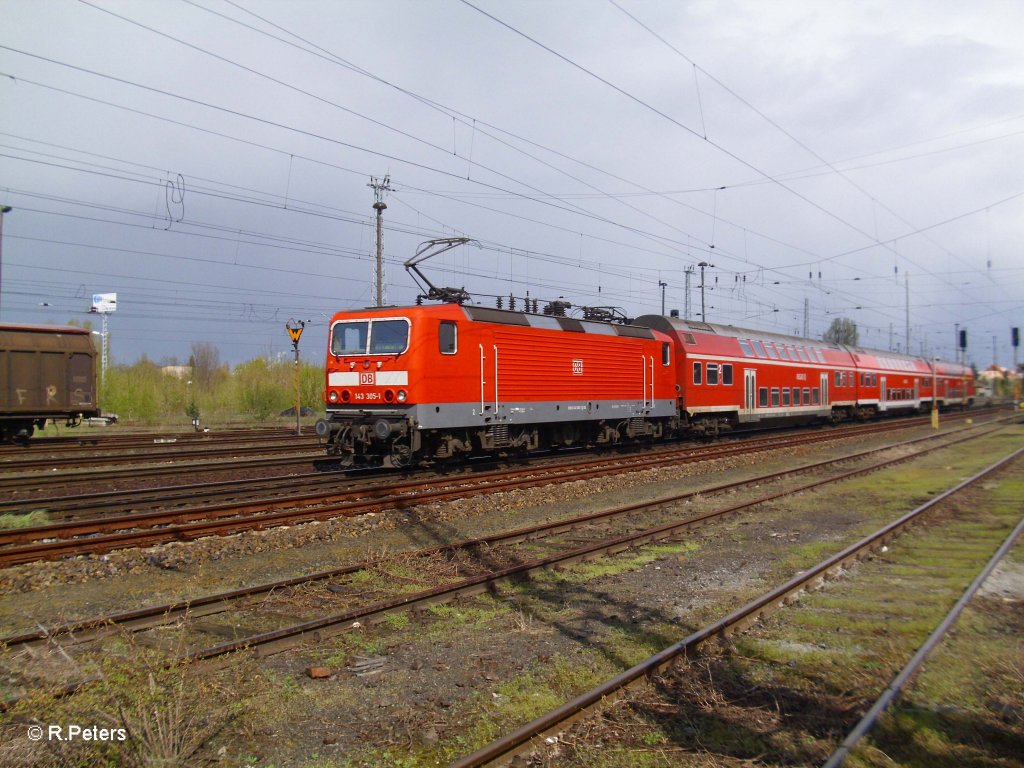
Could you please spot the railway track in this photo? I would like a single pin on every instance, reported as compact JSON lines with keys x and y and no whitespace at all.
{"x":156,"y":453}
{"x":82,"y":471}
{"x":669,"y":671}
{"x":563,"y":552}
{"x":44,"y":449}
{"x":115,"y":500}
{"x":97,"y":535}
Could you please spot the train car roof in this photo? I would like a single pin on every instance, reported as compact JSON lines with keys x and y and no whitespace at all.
{"x":42,"y":328}
{"x":675,"y":324}
{"x":479,"y":314}
{"x":555,"y":322}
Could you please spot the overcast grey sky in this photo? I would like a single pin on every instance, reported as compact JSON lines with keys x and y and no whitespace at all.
{"x":208,"y":161}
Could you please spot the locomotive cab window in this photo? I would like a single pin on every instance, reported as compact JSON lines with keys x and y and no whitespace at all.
{"x":448,"y":338}
{"x":350,"y":338}
{"x":370,"y":337}
{"x":389,"y":337}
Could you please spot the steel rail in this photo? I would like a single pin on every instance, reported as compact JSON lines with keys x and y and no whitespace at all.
{"x":132,"y":498}
{"x":189,"y":524}
{"x":322,"y":628}
{"x":155,"y":454}
{"x":161,"y":614}
{"x":103,"y":442}
{"x":520,"y":740}
{"x":38,"y":479}
{"x":895,"y":688}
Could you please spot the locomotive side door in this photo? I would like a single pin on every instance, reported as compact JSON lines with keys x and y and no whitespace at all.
{"x":882,"y":405}
{"x":825,"y":402}
{"x":491,"y":409}
{"x":750,"y":393}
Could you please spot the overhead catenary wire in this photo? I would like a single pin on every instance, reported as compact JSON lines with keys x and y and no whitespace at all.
{"x":432,"y":210}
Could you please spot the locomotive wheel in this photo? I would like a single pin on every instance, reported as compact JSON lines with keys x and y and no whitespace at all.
{"x":401,"y":456}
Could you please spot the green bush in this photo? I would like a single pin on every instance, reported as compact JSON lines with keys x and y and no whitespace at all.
{"x":257,"y":390}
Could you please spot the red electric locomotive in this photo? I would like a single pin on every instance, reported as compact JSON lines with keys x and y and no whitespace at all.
{"x":425,"y":383}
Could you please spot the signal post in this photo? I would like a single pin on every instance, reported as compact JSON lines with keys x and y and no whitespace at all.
{"x":294,"y":328}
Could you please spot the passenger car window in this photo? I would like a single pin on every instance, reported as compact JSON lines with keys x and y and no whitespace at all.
{"x":696,"y":373}
{"x":727,"y":374}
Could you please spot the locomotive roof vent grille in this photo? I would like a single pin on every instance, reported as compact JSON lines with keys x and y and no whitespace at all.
{"x":503,"y":316}
{"x":695,"y":326}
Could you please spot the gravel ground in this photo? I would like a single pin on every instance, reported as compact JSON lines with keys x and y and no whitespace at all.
{"x":416,"y":686}
{"x":78,"y":587}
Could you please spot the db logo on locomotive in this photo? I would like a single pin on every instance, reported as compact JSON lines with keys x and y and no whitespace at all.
{"x":367,"y":378}
{"x":577,"y":367}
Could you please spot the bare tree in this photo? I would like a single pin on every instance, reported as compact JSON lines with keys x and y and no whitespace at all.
{"x":205,"y":362}
{"x":842,"y":331}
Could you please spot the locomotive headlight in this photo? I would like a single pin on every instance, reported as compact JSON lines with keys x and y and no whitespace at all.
{"x":402,"y":395}
{"x":333,"y":396}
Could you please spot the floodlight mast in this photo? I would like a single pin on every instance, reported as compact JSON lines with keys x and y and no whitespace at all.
{"x":427,"y":250}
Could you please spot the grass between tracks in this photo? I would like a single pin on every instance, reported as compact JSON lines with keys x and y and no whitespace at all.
{"x":32,"y":519}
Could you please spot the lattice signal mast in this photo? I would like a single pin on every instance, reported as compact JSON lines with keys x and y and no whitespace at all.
{"x":380,"y":186}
